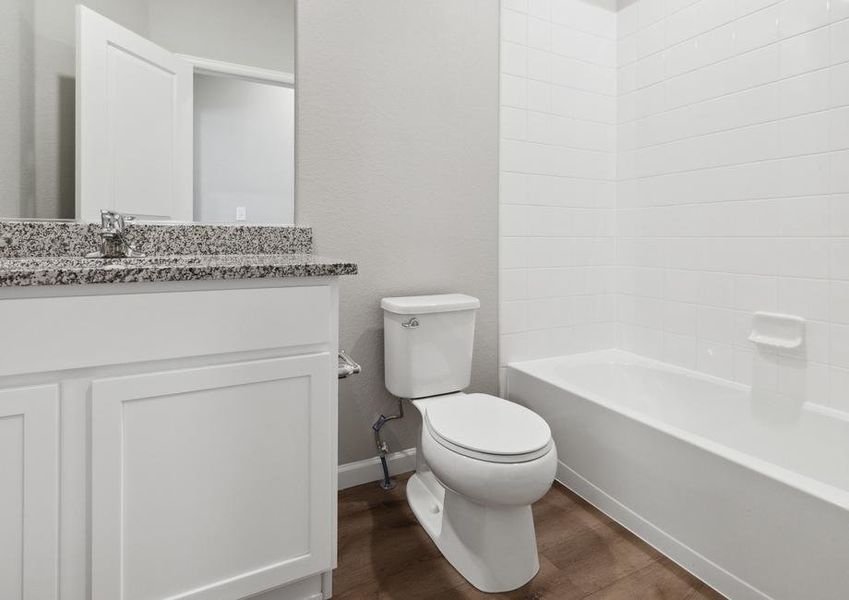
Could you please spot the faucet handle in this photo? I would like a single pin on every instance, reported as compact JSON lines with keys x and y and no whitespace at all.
{"x":113,"y":220}
{"x":113,"y":236}
{"x":107,"y":218}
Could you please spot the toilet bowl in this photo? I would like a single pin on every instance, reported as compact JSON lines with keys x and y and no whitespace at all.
{"x":481,"y":460}
{"x":473,"y":493}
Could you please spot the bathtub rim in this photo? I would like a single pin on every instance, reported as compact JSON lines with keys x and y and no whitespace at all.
{"x":802,"y":483}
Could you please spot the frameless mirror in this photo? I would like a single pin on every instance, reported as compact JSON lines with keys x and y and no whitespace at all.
{"x":169,"y":110}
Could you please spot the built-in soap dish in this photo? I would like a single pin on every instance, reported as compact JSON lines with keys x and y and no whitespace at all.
{"x":774,"y":330}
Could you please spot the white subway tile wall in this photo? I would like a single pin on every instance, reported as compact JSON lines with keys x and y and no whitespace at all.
{"x":558,"y":177}
{"x":658,"y":189}
{"x":733,"y":187}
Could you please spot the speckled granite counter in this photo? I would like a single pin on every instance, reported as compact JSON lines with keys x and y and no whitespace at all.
{"x":70,"y":271}
{"x":51,"y":253}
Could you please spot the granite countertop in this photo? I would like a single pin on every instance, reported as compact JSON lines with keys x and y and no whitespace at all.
{"x":73,"y":270}
{"x":34,"y":253}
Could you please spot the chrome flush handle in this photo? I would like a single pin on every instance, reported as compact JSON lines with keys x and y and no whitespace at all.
{"x":411,"y":324}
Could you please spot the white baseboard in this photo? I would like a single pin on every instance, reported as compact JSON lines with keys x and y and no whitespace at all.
{"x":365,"y":471}
{"x":700,"y":566}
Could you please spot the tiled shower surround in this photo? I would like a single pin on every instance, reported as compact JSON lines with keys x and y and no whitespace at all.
{"x":558,"y":178}
{"x":718,"y":187}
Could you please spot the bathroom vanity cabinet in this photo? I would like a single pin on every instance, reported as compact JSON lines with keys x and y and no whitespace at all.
{"x":168,"y":440}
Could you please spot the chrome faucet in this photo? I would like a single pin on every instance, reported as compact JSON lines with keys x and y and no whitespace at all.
{"x":113,"y":237}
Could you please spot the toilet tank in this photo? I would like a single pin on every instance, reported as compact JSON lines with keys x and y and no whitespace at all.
{"x":428,"y":343}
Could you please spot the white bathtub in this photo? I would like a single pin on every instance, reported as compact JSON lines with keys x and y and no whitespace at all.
{"x":751,"y":495}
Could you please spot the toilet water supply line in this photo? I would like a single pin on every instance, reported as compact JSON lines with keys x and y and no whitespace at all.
{"x":382,"y":447}
{"x":348,"y":367}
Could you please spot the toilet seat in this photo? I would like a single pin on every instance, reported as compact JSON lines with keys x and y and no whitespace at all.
{"x":487,"y":428}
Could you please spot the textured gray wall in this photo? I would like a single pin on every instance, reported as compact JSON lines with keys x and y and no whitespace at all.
{"x":398,"y":169}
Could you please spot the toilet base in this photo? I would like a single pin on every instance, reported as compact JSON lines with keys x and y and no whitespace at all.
{"x":493,"y":547}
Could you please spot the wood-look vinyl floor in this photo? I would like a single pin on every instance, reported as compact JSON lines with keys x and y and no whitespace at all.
{"x":384,"y":554}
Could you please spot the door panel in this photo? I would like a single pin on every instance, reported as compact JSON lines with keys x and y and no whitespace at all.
{"x":29,"y":493}
{"x":211,"y":483}
{"x":134,"y":124}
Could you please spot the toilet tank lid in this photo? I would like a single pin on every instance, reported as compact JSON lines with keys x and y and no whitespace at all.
{"x":419,"y":305}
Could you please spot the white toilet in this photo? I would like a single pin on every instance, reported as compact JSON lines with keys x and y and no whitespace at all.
{"x":481,"y":460}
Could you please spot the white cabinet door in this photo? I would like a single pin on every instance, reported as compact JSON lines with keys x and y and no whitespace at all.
{"x":213,"y":482}
{"x":134,"y":124}
{"x":29,"y":493}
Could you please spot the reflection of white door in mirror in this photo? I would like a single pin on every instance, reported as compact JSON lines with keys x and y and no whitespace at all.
{"x":166,"y":136}
{"x":134,"y":124}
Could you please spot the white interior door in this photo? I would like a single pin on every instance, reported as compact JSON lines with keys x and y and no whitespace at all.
{"x":134,"y":124}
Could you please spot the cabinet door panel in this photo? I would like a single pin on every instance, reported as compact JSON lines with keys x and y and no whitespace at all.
{"x":211,"y":483}
{"x":29,"y":497}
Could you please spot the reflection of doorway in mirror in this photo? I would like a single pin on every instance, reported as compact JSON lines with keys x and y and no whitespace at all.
{"x":143,"y":151}
{"x":38,"y":177}
{"x":244,"y":150}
